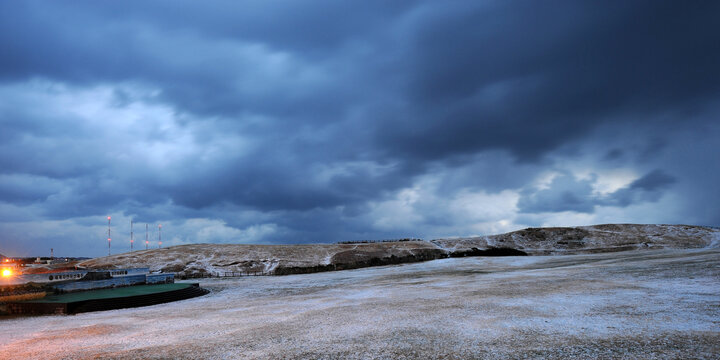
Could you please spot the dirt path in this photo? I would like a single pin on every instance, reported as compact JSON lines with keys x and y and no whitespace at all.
{"x":649,"y":304}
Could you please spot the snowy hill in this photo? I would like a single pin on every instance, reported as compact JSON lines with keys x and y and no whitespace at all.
{"x":591,"y":239}
{"x":188,"y":260}
{"x":280,"y":259}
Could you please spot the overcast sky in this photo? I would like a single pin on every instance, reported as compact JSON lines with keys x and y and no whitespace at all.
{"x":322,"y":121}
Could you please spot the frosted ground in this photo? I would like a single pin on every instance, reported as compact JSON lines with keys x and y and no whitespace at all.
{"x":635,"y":304}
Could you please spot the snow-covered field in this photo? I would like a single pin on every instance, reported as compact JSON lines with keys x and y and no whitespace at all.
{"x":636,"y":304}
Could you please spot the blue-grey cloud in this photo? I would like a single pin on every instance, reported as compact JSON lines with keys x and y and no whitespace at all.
{"x":324,"y":120}
{"x":653,"y":181}
{"x":566,"y":193}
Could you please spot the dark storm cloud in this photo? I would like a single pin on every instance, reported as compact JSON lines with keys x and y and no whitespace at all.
{"x":652,"y":181}
{"x":27,"y":189}
{"x":614,"y":154}
{"x":341,"y":105}
{"x":545,"y":74}
{"x":274,"y":182}
{"x":201,"y":57}
{"x":648,"y":188}
{"x":565,"y":193}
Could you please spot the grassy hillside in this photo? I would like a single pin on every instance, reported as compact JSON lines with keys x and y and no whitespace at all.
{"x":199,"y":259}
{"x":591,"y":239}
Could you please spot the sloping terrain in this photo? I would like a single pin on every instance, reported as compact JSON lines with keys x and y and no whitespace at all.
{"x":591,"y":239}
{"x":198,"y":259}
{"x":283,"y":259}
{"x":661,"y":304}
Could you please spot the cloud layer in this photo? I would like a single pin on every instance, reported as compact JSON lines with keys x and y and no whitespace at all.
{"x":293,"y":123}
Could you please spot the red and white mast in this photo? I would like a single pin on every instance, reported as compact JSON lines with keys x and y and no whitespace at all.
{"x":109,"y":236}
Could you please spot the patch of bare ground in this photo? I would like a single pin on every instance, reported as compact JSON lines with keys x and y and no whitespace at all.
{"x":653,"y":305}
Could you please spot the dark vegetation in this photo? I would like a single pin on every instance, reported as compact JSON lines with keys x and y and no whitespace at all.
{"x":355,"y":259}
{"x":493,"y":251}
{"x":367,"y":259}
{"x":289,"y":270}
{"x":544,"y":234}
{"x":377,"y":241}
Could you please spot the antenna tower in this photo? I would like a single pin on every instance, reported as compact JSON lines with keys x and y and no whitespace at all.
{"x":160,"y":235}
{"x":132,"y":240}
{"x":147,"y":242}
{"x":109,"y":236}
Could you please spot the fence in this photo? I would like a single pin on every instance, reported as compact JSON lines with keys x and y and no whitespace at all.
{"x":225,"y":274}
{"x":243,"y":273}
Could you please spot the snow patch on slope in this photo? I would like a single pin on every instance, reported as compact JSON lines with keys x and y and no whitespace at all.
{"x":590,"y":239}
{"x":218,"y":259}
{"x":715,"y":241}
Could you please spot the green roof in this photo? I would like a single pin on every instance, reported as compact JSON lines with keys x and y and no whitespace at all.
{"x":109,"y":293}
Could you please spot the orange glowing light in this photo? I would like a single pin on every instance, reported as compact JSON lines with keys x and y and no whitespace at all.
{"x":7,"y":273}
